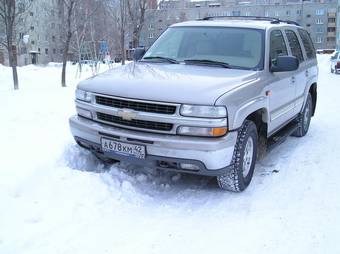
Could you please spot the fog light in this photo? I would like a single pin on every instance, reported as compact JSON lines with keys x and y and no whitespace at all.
{"x":189,"y":166}
{"x":84,"y":113}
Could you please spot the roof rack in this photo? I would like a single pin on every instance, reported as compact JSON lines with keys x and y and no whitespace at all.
{"x":272,"y":20}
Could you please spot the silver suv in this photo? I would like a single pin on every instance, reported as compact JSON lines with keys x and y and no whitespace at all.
{"x":209,"y":97}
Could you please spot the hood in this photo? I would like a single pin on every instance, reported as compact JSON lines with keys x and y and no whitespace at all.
{"x":176,"y":83}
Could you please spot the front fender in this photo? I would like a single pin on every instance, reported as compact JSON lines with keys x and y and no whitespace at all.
{"x":260,"y":103}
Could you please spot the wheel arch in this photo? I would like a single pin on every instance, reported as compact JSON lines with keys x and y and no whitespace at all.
{"x":256,"y":111}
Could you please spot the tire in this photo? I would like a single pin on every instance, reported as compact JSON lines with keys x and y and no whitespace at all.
{"x":238,"y":177}
{"x":304,"y":118}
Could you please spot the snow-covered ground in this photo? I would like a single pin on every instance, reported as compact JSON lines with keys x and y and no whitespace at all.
{"x":57,"y":198}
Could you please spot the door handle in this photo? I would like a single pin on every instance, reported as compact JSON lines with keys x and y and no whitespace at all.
{"x":293,"y":80}
{"x":307,"y":73}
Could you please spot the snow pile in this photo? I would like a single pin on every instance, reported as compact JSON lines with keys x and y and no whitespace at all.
{"x":57,"y":198}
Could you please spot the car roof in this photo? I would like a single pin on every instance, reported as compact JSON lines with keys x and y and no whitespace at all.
{"x":255,"y":24}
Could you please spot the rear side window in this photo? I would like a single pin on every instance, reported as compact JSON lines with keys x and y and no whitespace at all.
{"x":294,"y":45}
{"x":307,"y":43}
{"x":335,"y":56}
{"x":277,"y":46}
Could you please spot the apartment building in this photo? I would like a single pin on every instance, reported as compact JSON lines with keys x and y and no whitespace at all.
{"x":338,"y":27}
{"x":38,"y":34}
{"x":319,"y":18}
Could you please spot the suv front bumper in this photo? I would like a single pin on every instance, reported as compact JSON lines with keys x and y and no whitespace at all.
{"x":212,"y":155}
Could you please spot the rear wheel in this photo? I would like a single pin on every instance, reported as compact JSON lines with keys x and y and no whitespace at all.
{"x":238,"y":177}
{"x":304,"y":118}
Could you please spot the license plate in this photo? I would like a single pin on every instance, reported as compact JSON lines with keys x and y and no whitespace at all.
{"x":136,"y":151}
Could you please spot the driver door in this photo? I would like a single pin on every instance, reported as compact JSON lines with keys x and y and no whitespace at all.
{"x":282,"y":86}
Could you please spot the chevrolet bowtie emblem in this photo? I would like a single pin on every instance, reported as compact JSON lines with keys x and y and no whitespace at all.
{"x":127,"y":114}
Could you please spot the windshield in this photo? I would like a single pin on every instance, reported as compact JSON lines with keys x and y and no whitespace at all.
{"x":237,"y":47}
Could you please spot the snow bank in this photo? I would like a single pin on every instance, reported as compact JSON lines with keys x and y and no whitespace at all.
{"x":57,"y":198}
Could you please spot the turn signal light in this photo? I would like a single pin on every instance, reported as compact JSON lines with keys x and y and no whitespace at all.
{"x":217,"y":132}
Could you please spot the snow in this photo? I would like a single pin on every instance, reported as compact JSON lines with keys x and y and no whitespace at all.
{"x":57,"y":198}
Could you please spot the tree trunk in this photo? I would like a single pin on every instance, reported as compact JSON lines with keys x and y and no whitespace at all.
{"x":63,"y":72}
{"x":15,"y":77}
{"x":13,"y":64}
{"x":122,"y":42}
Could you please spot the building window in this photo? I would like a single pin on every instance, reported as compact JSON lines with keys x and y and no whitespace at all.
{"x":276,"y":13}
{"x":151,"y":35}
{"x":23,"y":50}
{"x":53,"y":25}
{"x":319,"y":21}
{"x":32,"y":42}
{"x":319,"y":30}
{"x":236,"y":13}
{"x":320,"y":12}
{"x":248,"y":13}
{"x":54,"y":51}
{"x":299,"y":12}
{"x":46,"y":51}
{"x":288,"y":13}
{"x":308,"y":15}
{"x":53,"y":38}
{"x":31,"y":14}
{"x":32,"y":28}
{"x":318,"y":39}
{"x":266,"y":14}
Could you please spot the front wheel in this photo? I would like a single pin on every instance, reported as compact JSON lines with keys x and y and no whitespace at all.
{"x":238,"y":177}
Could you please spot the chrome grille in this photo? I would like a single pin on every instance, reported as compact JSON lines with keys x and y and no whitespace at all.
{"x":150,"y":125}
{"x":136,"y":105}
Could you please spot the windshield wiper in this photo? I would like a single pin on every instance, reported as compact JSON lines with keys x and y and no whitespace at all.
{"x":170,"y":60}
{"x":207,"y":62}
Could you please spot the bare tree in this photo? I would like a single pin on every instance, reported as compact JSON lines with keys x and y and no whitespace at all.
{"x":118,"y":12}
{"x":10,"y":11}
{"x":122,"y":27}
{"x":136,"y":9}
{"x":73,"y":25}
{"x":68,"y":18}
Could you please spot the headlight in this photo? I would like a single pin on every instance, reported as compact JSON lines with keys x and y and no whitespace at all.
{"x":83,"y":95}
{"x":203,"y":111}
{"x":202,"y":131}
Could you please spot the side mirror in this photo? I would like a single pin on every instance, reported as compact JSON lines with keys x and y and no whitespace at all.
{"x":285,"y":63}
{"x":138,"y":54}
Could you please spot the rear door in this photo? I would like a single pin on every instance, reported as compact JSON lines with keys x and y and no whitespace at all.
{"x":281,"y":100}
{"x":311,"y":70}
{"x":299,"y":77}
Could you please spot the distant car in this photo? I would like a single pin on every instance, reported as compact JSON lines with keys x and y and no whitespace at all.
{"x":325,"y":51}
{"x":91,"y":63}
{"x":335,"y":63}
{"x":108,"y":62}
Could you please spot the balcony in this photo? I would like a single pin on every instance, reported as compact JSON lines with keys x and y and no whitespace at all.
{"x":331,"y":24}
{"x":331,"y":34}
{"x":331,"y":14}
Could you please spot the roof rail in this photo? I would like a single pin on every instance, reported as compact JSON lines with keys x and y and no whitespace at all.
{"x":271,"y":19}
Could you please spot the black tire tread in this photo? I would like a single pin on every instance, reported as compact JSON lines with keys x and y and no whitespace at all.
{"x":231,"y":179}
